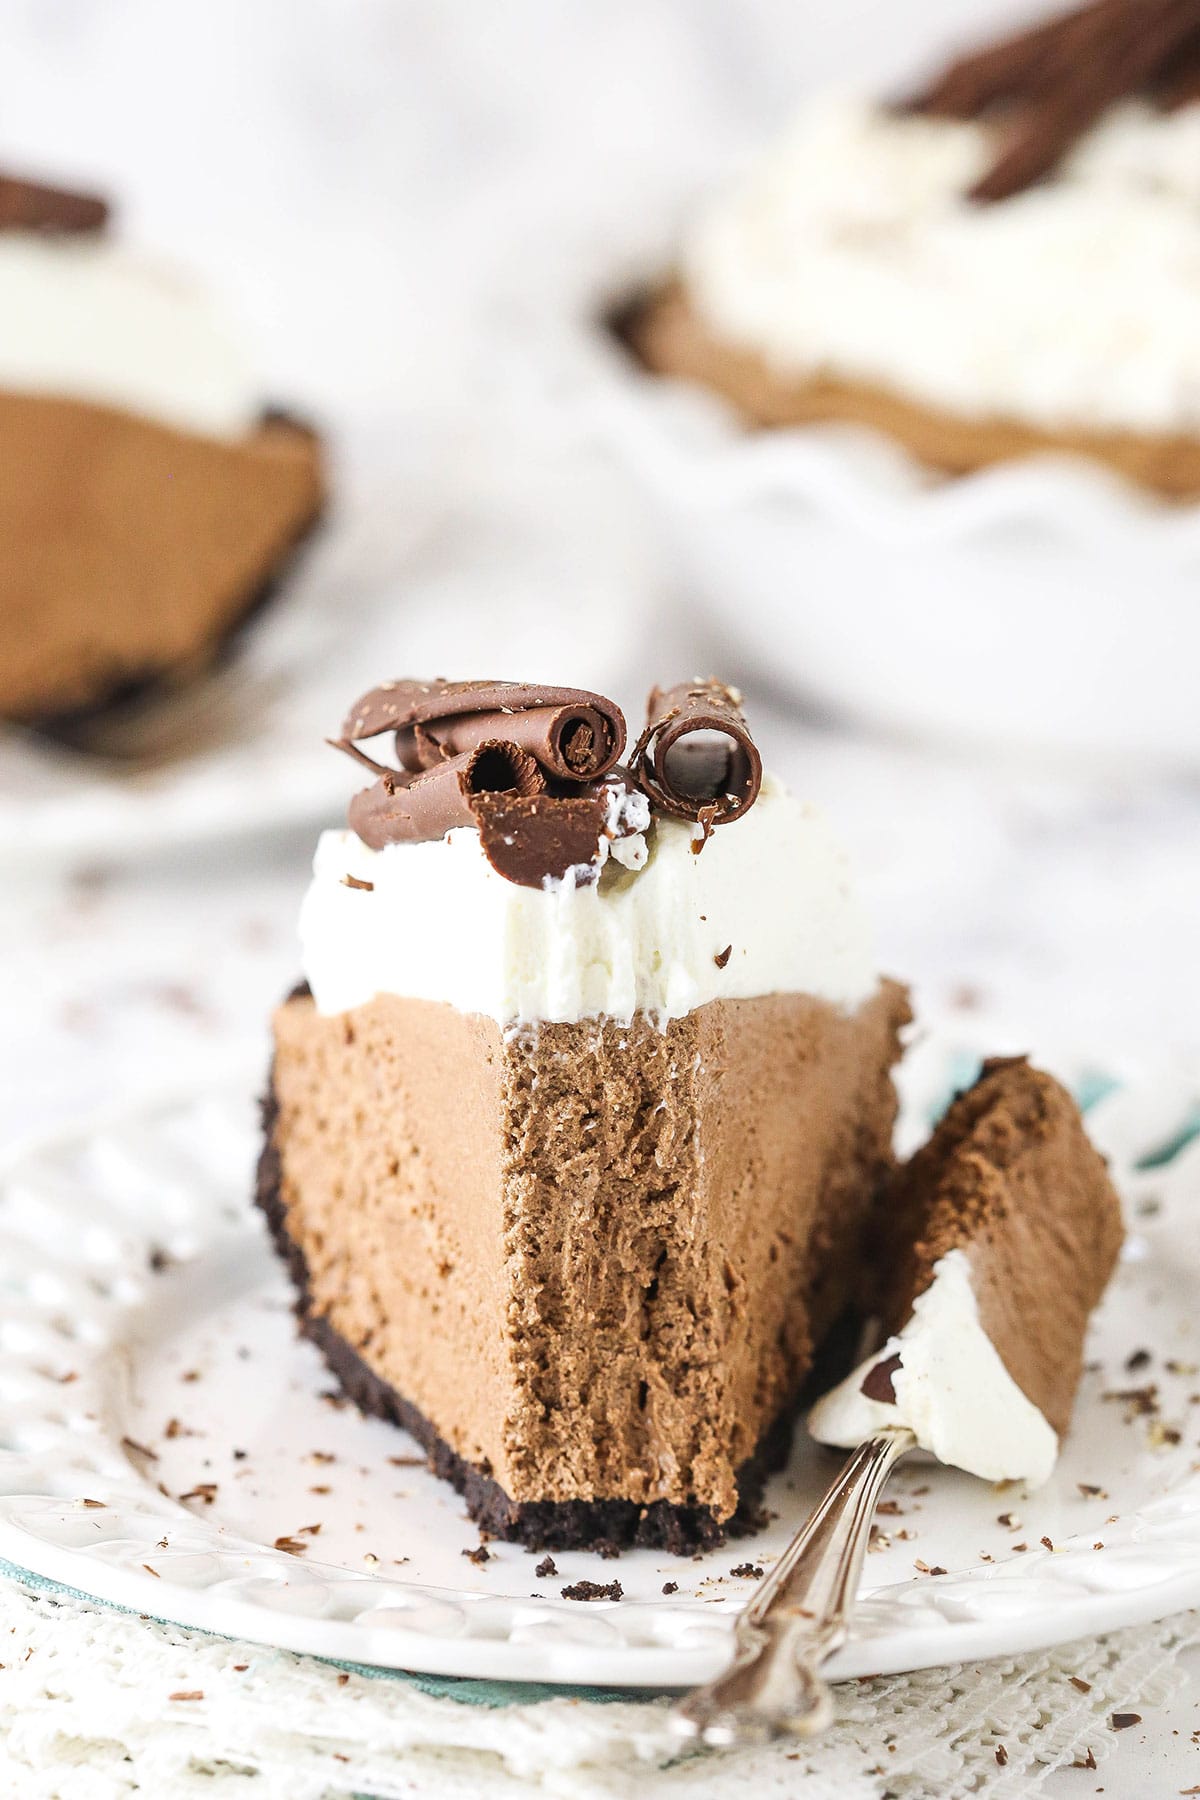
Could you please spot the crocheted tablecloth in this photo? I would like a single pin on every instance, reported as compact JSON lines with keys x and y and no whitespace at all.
{"x":97,"y":1704}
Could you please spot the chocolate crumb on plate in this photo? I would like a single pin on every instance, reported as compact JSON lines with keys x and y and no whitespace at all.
{"x":594,"y":1590}
{"x":748,"y":1571}
{"x":670,"y":1587}
{"x":721,"y":957}
{"x":1121,"y":1721}
{"x":546,"y":1568}
{"x":480,"y":1554}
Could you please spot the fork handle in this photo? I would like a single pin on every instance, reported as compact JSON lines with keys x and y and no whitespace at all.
{"x":797,"y":1617}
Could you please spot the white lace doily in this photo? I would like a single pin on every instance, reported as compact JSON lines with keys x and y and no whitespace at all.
{"x":102,"y":1706}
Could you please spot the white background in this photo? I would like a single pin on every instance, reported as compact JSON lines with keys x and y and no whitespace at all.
{"x":373,"y":185}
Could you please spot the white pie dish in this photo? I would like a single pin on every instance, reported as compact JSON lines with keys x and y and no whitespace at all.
{"x":1043,"y":605}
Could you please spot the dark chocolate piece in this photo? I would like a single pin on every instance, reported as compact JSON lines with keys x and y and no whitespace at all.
{"x":573,"y":734}
{"x":531,"y":838}
{"x":413,"y":809}
{"x":879,"y":1381}
{"x":696,"y":758}
{"x":35,"y":206}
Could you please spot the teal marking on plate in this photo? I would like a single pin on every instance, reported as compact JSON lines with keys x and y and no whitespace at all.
{"x":962,"y":1071}
{"x":1175,"y":1145}
{"x":1092,"y":1086}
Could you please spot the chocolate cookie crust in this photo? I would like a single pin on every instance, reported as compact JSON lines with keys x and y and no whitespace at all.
{"x":668,"y":337}
{"x":131,"y":552}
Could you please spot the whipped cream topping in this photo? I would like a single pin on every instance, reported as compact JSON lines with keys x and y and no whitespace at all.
{"x":850,"y":250}
{"x":83,"y":319}
{"x":952,"y":1390}
{"x":436,"y":922}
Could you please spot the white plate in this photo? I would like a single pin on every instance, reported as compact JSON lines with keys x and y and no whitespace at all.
{"x":136,"y":1289}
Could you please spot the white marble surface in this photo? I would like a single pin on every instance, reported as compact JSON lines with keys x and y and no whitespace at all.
{"x":370,"y":185}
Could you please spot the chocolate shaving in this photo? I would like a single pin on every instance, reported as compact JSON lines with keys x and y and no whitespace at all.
{"x":1049,"y":85}
{"x":34,"y":206}
{"x":573,"y":734}
{"x":879,"y":1382}
{"x":696,"y":758}
{"x":413,"y":809}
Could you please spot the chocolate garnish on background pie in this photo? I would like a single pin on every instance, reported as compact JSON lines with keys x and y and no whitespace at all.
{"x":1046,"y":86}
{"x":696,"y":758}
{"x":35,"y":206}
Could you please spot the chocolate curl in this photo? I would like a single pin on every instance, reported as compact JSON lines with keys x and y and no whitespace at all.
{"x":414,"y":809}
{"x":1105,"y":56}
{"x":574,"y":743}
{"x":32,"y":206}
{"x":575,"y":735}
{"x":711,"y":780}
{"x":1000,"y":72}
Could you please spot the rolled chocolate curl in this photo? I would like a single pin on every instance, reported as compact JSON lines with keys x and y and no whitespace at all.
{"x":575,"y":742}
{"x":401,"y":808}
{"x":575,"y":735}
{"x":532,"y":838}
{"x":696,"y":758}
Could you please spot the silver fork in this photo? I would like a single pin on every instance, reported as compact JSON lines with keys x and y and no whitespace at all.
{"x":797,"y":1617}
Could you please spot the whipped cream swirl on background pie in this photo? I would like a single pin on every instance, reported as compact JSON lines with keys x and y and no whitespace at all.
{"x":851,"y":248}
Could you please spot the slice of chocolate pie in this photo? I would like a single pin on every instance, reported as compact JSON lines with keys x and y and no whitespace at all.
{"x":575,"y":1128}
{"x":147,"y":499}
{"x":997,"y":1241}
